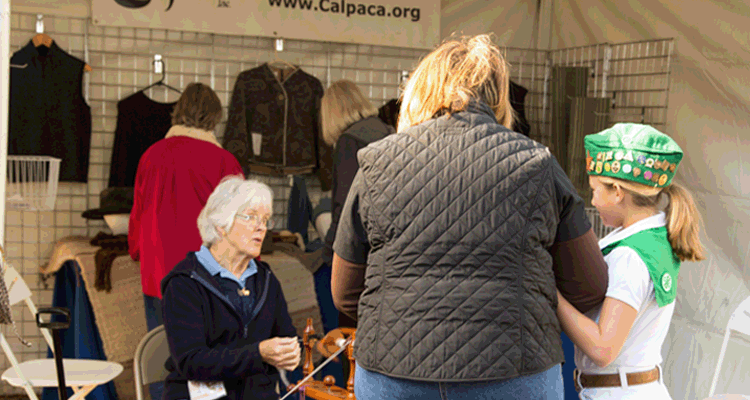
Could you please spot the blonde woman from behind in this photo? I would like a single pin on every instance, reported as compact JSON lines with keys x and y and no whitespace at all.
{"x":453,"y":239}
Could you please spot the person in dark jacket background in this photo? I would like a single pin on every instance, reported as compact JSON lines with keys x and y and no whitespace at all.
{"x":349,"y":122}
{"x":226,"y":319}
{"x":454,"y":239}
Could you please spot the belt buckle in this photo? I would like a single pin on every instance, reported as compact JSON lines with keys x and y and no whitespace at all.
{"x":577,"y":380}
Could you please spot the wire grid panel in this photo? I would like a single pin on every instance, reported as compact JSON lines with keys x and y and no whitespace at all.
{"x":216,"y":60}
{"x":635,"y":75}
{"x":30,"y":235}
{"x":600,"y":229}
{"x":528,"y":68}
{"x":593,"y":56}
{"x":122,"y":61}
{"x":638,"y":82}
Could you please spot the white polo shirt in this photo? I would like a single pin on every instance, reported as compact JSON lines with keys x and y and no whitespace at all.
{"x":630,"y":282}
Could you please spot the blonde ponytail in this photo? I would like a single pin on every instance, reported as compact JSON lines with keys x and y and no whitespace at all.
{"x":683,"y":224}
{"x":460,"y":70}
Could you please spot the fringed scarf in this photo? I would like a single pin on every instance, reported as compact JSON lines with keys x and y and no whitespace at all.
{"x":112,"y":246}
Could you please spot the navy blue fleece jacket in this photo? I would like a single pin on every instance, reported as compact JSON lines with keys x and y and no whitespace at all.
{"x":207,"y":338}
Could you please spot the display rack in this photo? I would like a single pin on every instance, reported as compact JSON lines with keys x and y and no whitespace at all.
{"x":634,"y":75}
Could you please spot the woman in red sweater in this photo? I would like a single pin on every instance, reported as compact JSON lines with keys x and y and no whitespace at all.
{"x":175,"y":176}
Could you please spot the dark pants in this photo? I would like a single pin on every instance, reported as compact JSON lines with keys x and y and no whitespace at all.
{"x":154,"y":318}
{"x":330,"y":316}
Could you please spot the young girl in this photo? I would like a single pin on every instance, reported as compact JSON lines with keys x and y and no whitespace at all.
{"x":618,"y":348}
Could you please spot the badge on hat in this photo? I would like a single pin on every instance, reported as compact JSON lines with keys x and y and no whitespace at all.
{"x":655,"y":156}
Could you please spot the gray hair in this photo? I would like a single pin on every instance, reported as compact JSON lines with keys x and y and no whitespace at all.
{"x":233,"y":195}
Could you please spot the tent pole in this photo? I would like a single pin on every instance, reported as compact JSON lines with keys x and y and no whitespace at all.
{"x":4,"y":90}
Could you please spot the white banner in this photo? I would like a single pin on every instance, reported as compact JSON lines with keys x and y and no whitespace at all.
{"x":400,"y":23}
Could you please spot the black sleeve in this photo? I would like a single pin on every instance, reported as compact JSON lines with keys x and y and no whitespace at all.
{"x":351,"y":238}
{"x":345,"y":167}
{"x":282,"y":325}
{"x":578,"y":264}
{"x":573,"y":219}
{"x":324,"y":151}
{"x":120,"y":165}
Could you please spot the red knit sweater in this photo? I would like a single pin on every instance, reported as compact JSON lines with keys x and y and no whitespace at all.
{"x":174,"y":179}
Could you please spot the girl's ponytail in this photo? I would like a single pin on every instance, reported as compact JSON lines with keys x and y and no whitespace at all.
{"x":683,"y":224}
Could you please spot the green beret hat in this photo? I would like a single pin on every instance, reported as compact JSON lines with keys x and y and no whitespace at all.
{"x":633,"y":152}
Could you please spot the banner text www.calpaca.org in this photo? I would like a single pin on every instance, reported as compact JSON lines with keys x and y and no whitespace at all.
{"x":349,"y":9}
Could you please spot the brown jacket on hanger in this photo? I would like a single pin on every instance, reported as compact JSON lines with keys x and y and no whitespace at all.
{"x":284,"y":114}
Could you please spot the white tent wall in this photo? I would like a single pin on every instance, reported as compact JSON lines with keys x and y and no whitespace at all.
{"x":708,"y":110}
{"x":707,"y":116}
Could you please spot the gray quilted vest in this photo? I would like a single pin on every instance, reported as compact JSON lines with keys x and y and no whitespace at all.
{"x":459,"y":287}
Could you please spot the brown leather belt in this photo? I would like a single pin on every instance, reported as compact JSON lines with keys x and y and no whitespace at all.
{"x":613,"y":380}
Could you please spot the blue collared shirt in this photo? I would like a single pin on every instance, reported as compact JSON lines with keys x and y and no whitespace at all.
{"x":230,"y":284}
{"x":212,"y":266}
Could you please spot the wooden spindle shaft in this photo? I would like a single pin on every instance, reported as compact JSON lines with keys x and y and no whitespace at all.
{"x":352,"y":366}
{"x":307,"y":367}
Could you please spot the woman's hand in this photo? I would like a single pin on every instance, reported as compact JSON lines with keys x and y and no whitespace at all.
{"x":282,"y":353}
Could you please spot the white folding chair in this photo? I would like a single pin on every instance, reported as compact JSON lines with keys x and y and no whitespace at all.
{"x":740,"y":322}
{"x":150,"y":355}
{"x":81,"y":375}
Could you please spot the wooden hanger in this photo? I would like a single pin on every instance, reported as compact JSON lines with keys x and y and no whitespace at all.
{"x":43,"y":39}
{"x":280,"y":63}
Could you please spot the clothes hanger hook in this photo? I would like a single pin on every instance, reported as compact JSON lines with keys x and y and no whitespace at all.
{"x":158,"y":64}
{"x":39,"y":23}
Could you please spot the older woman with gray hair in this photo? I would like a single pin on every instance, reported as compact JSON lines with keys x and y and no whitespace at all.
{"x":225,"y":315}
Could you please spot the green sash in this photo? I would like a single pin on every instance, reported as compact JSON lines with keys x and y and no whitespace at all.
{"x":653,"y":246}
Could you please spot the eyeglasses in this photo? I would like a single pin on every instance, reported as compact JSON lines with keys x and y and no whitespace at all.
{"x":256,"y":220}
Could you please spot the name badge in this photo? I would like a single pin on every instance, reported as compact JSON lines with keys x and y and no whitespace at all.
{"x":201,"y":390}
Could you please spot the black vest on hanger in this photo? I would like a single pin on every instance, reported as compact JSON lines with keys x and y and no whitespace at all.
{"x":141,"y":122}
{"x":48,"y":115}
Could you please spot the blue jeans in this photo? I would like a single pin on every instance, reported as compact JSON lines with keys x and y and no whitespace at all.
{"x":547,"y":385}
{"x":154,"y":318}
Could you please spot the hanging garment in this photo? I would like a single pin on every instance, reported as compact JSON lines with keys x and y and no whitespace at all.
{"x":517,"y":98}
{"x":567,"y":83}
{"x":282,"y":114}
{"x":48,"y":115}
{"x":141,"y":122}
{"x":388,"y":112}
{"x":588,"y":115}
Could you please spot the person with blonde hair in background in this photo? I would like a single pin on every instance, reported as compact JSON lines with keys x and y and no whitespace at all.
{"x":453,"y":240}
{"x":618,"y":346}
{"x":350,"y":122}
